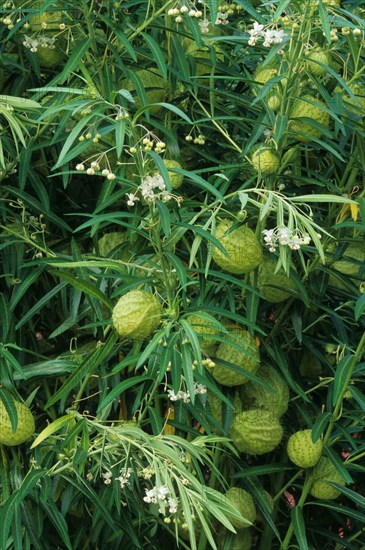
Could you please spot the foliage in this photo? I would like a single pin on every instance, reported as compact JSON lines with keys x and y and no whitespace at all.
{"x":128,"y":132}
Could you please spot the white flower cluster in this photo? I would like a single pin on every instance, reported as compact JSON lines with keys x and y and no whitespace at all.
{"x":152,"y":188}
{"x":284,"y":236}
{"x":123,"y":479}
{"x":41,"y":41}
{"x":270,"y":36}
{"x":159,"y":495}
{"x":199,"y":389}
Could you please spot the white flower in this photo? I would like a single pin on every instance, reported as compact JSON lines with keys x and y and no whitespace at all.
{"x":200,"y":389}
{"x":107,"y":478}
{"x":172,"y":502}
{"x":150,"y":496}
{"x":204,"y":25}
{"x":257,"y":28}
{"x":156,"y":494}
{"x":131,"y":199}
{"x":270,"y":236}
{"x":279,"y":35}
{"x":172,"y":395}
{"x":268,"y":37}
{"x":124,"y":477}
{"x":162,"y":492}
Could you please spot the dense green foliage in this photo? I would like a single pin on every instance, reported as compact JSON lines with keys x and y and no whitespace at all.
{"x":203,"y":167}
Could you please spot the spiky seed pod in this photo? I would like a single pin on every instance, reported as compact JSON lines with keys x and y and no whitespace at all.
{"x":325,"y":471}
{"x":244,"y":504}
{"x":242,"y":246}
{"x":25,"y":428}
{"x":317,"y":54}
{"x":265,"y":160}
{"x":255,"y":396}
{"x":264,"y":74}
{"x":256,"y":432}
{"x":303,"y":109}
{"x":302,"y":451}
{"x":268,"y":280}
{"x":136,"y":315}
{"x":46,"y":20}
{"x":352,"y":264}
{"x":274,"y":102}
{"x":154,"y":85}
{"x":357,"y":105}
{"x":216,"y":409}
{"x":49,"y":58}
{"x":108,"y":242}
{"x":207,"y":333}
{"x":175,"y":178}
{"x":247,"y":358}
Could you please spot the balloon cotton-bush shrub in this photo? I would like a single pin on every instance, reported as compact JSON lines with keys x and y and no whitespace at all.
{"x":136,"y":238}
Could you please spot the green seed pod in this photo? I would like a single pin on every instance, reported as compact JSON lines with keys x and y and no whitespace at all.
{"x":136,"y":315}
{"x":25,"y":428}
{"x":154,"y":85}
{"x":46,"y":20}
{"x":317,"y":54}
{"x":302,"y":109}
{"x":246,"y":358}
{"x":302,"y":451}
{"x":242,"y":246}
{"x":207,"y":333}
{"x":256,"y":432}
{"x":108,"y":242}
{"x":265,"y":160}
{"x":175,"y":178}
{"x":351,"y":263}
{"x":255,"y":396}
{"x":325,"y":471}
{"x":268,"y":280}
{"x":244,"y":504}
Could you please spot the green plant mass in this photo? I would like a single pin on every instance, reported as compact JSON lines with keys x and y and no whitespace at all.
{"x":182,"y":279}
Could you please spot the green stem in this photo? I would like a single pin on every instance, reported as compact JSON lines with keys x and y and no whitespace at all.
{"x":356,"y":357}
{"x":301,"y":501}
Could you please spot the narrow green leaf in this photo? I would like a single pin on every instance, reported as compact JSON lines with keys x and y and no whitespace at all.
{"x":120,"y":388}
{"x":359,"y":307}
{"x":352,"y":495}
{"x":85,"y":286}
{"x":79,"y":49}
{"x":341,"y":378}
{"x":9,"y":357}
{"x":58,"y":521}
{"x":320,"y":425}
{"x":23,"y":287}
{"x":7,"y":511}
{"x":157,"y":54}
{"x":85,"y":369}
{"x":52,"y":428}
{"x":323,"y":15}
{"x":299,"y":527}
{"x":30,"y":480}
{"x":40,"y":303}
{"x":9,"y":405}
